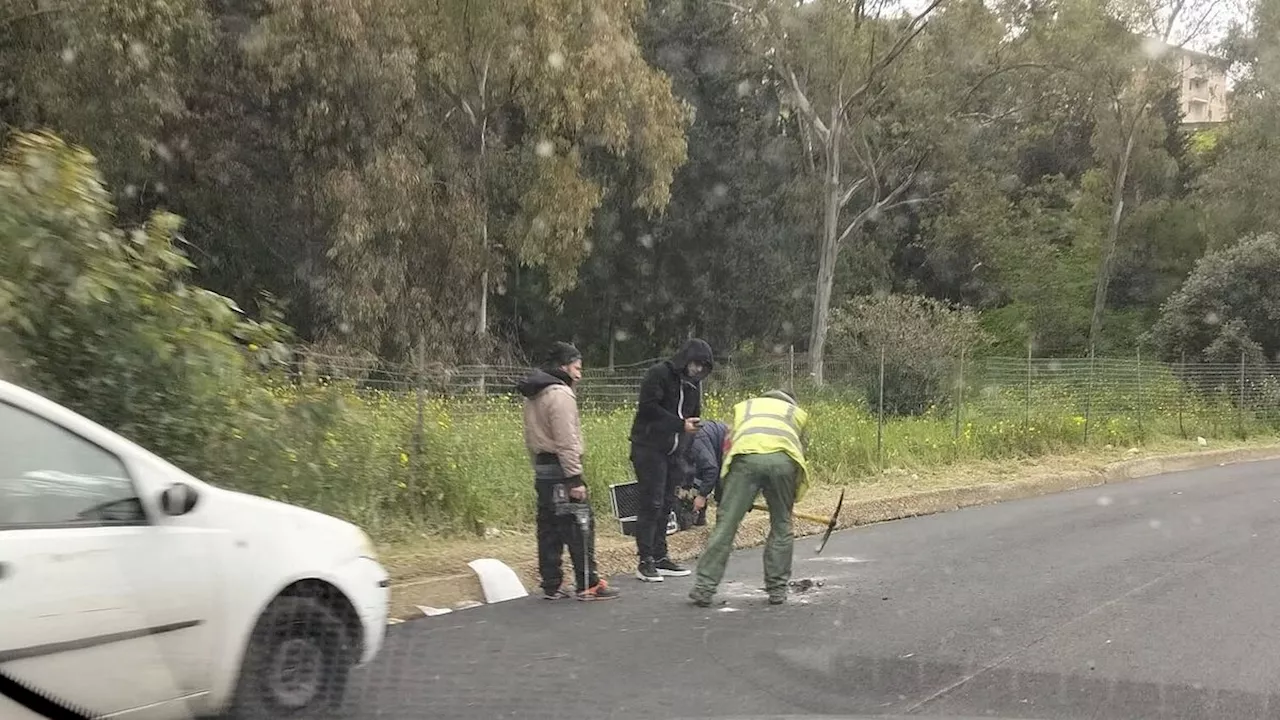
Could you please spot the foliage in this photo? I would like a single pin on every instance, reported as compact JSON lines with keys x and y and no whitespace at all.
{"x":918,"y":341}
{"x":1227,"y":307}
{"x":101,"y":318}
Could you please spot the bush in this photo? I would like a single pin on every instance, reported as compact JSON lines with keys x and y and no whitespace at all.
{"x":1227,"y":306}
{"x":921,"y":339}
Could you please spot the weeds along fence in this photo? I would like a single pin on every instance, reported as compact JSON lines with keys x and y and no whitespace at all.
{"x":428,"y":446}
{"x":1172,"y":398}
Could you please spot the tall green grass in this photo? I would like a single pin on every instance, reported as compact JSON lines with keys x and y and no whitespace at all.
{"x":363,"y":455}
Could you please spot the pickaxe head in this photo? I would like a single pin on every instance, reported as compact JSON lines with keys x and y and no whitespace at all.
{"x":831,"y":524}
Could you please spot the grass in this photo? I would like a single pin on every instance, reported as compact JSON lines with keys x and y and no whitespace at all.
{"x":462,"y":475}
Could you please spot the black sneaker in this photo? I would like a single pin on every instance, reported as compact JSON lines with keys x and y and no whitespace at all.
{"x":665,"y":566}
{"x":556,"y":594}
{"x":647,"y":572}
{"x":777,"y":598}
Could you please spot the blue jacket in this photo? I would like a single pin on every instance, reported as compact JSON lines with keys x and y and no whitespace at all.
{"x":705,"y":454}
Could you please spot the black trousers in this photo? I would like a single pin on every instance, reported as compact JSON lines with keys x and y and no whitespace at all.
{"x":658,"y":475}
{"x":555,"y":532}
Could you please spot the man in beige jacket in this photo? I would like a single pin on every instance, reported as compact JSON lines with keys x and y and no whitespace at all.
{"x":553,"y":437}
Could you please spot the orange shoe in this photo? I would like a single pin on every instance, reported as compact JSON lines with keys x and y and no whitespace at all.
{"x":599,"y":591}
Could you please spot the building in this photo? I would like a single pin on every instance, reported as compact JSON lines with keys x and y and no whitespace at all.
{"x":1202,"y":86}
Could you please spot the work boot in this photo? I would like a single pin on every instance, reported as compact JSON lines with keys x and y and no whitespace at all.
{"x":669,"y":568}
{"x":700,"y":599}
{"x":599,"y":591}
{"x":648,"y":572}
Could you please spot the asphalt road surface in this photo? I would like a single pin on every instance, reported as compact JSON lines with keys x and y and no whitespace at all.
{"x":1156,"y":598}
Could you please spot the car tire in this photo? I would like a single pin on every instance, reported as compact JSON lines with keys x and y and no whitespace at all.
{"x":296,"y":665}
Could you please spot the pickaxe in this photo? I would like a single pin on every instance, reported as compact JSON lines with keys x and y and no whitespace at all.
{"x":830,"y":522}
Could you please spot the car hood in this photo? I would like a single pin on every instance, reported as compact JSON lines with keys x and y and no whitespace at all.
{"x":248,"y":514}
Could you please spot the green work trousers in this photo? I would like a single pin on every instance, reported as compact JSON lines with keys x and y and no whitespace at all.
{"x":774,"y":476}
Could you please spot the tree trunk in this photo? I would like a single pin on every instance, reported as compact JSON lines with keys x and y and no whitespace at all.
{"x":1108,"y":249}
{"x":827,"y":254}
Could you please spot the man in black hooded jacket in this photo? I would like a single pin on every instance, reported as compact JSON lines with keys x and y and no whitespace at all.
{"x":667,"y":416}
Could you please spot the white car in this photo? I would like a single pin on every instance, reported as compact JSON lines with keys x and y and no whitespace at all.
{"x":132,"y":590}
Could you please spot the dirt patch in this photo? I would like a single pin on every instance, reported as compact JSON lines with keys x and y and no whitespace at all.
{"x":434,"y":572}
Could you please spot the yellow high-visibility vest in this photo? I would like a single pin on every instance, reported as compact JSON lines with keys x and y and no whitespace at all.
{"x":766,"y":425}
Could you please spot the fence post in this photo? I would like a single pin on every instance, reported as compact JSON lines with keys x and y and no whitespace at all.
{"x":1240,"y":405}
{"x":1182,"y":390}
{"x":1026,"y":409}
{"x":791,"y":357}
{"x":959,"y":396}
{"x":1088,"y":398}
{"x":880,"y":417}
{"x":1141,"y":434}
{"x":419,"y":430}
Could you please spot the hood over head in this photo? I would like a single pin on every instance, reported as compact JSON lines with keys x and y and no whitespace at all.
{"x":540,"y":380}
{"x":693,"y":350}
{"x":561,"y":354}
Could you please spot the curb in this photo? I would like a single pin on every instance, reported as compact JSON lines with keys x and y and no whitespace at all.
{"x":463,"y":589}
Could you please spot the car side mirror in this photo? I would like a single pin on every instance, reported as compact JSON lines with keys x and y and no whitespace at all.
{"x":179,"y":499}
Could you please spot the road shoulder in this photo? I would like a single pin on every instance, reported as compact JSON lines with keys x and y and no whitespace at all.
{"x":432,"y":572}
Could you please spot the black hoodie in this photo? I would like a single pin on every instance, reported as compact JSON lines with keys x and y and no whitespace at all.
{"x":667,"y":396}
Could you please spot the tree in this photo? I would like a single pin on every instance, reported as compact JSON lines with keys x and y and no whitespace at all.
{"x":107,"y":73}
{"x":1121,"y":49}
{"x":1227,"y":306}
{"x":1240,"y":190}
{"x":102,"y":318}
{"x":537,"y":90}
{"x":875,"y":103}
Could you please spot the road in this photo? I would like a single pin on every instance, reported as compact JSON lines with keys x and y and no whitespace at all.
{"x":1156,"y":598}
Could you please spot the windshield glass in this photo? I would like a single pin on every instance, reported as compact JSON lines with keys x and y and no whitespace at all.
{"x":671,"y":358}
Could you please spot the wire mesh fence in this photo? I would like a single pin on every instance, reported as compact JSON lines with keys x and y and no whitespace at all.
{"x":1173,"y":398}
{"x":1006,"y":387}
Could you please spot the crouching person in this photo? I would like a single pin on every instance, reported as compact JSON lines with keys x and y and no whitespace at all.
{"x":553,"y":436}
{"x":707,"y":454}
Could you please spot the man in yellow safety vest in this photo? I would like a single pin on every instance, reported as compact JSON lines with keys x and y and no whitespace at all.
{"x":765,"y":456}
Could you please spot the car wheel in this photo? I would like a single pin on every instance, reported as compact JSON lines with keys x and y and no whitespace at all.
{"x":296,"y":664}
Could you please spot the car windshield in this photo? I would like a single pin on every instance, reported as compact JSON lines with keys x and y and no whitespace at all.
{"x":657,"y":358}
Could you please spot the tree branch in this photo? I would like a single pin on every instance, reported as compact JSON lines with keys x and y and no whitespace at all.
{"x":32,"y":15}
{"x":853,"y":188}
{"x":889,"y":202}
{"x":802,"y":101}
{"x":913,"y":29}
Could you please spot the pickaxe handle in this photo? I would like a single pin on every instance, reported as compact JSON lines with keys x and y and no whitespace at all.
{"x":829,"y":522}
{"x":796,"y":513}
